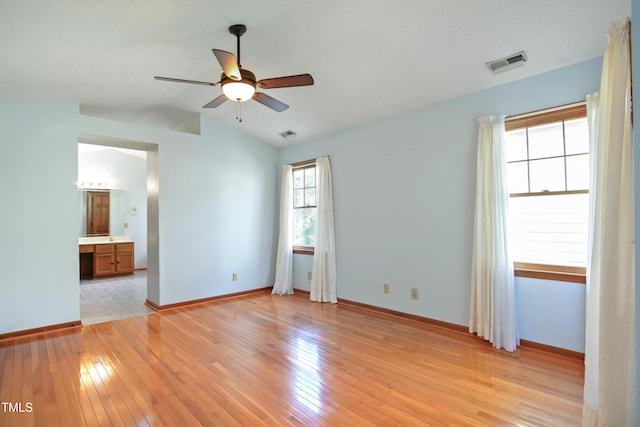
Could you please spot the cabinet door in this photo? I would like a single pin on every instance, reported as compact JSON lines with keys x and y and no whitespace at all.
{"x":124,"y":262}
{"x":103,"y":264}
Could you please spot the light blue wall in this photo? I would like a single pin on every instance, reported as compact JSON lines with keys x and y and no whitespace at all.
{"x":551,"y":312}
{"x":404,"y":191}
{"x":303,"y":266}
{"x":217,"y":204}
{"x":39,"y":215}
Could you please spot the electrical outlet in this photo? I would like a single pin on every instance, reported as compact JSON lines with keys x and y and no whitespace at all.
{"x":309,"y":275}
{"x":386,"y":288}
{"x":234,"y":276}
{"x":414,"y":293}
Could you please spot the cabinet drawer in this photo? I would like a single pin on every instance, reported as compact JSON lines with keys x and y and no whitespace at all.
{"x":105,"y":249}
{"x":124,"y":247}
{"x":85,"y":249}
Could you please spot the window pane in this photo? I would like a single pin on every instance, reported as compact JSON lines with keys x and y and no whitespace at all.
{"x":547,"y":175}
{"x":298,"y":178}
{"x":516,"y":145}
{"x":310,"y":197}
{"x":576,"y":133}
{"x":304,"y":227}
{"x":578,"y":172}
{"x":310,"y":177}
{"x":546,"y":141}
{"x":518,"y":177}
{"x":550,"y":229}
{"x":298,"y":198}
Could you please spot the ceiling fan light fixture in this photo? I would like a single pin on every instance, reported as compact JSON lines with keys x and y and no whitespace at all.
{"x":238,"y":91}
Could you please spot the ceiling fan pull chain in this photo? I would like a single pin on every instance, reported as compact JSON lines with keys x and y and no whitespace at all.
{"x":239,"y":112}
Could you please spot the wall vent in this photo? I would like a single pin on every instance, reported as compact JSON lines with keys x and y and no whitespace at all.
{"x":508,"y":63}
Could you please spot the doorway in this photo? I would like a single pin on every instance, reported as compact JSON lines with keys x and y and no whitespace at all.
{"x":121,"y":166}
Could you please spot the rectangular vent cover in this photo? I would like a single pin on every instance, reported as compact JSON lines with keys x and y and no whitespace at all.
{"x":508,"y":63}
{"x":287,"y":134}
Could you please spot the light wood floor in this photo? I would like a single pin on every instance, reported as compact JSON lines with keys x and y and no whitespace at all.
{"x":272,"y":360}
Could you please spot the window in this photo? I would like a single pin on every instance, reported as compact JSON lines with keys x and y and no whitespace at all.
{"x":304,"y":206}
{"x":548,"y":176}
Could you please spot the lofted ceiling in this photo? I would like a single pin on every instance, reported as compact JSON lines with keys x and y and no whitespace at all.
{"x":370,"y":58}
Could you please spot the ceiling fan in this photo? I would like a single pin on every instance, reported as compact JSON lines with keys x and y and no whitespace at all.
{"x":239,"y":84}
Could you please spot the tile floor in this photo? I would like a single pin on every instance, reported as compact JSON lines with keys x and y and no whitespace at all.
{"x":115,"y":298}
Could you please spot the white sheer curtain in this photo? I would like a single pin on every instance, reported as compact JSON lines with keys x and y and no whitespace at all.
{"x":492,"y":310}
{"x":284,"y":264}
{"x":610,"y":394}
{"x":323,"y":278}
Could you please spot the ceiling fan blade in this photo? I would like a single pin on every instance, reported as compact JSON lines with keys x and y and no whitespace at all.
{"x":216,"y":102}
{"x":193,"y":82}
{"x":228,"y":63}
{"x":270,"y":102}
{"x":286,"y":81}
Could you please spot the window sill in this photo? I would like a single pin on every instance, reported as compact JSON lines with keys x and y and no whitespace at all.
{"x":551,"y":272}
{"x":304,"y":250}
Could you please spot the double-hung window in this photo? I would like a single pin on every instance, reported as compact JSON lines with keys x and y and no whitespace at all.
{"x":548,"y":176}
{"x":304,"y":206}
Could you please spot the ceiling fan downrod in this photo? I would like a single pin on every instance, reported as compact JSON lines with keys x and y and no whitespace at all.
{"x":238,"y":30}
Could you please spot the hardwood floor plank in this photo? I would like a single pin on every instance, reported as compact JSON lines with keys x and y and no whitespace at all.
{"x":80,"y":414}
{"x":271,"y":360}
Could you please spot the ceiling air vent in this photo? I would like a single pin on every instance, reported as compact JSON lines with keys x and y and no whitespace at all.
{"x":508,"y":63}
{"x":287,"y":134}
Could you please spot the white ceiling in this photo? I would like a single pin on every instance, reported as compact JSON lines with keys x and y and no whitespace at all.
{"x":369,"y":58}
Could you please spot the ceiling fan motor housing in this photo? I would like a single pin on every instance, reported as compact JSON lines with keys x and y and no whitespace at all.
{"x":247,"y":77}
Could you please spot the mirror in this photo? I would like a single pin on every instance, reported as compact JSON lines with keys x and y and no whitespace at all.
{"x":101,"y":212}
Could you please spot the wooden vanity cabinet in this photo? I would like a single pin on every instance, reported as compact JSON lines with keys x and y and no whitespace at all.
{"x":108,"y":259}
